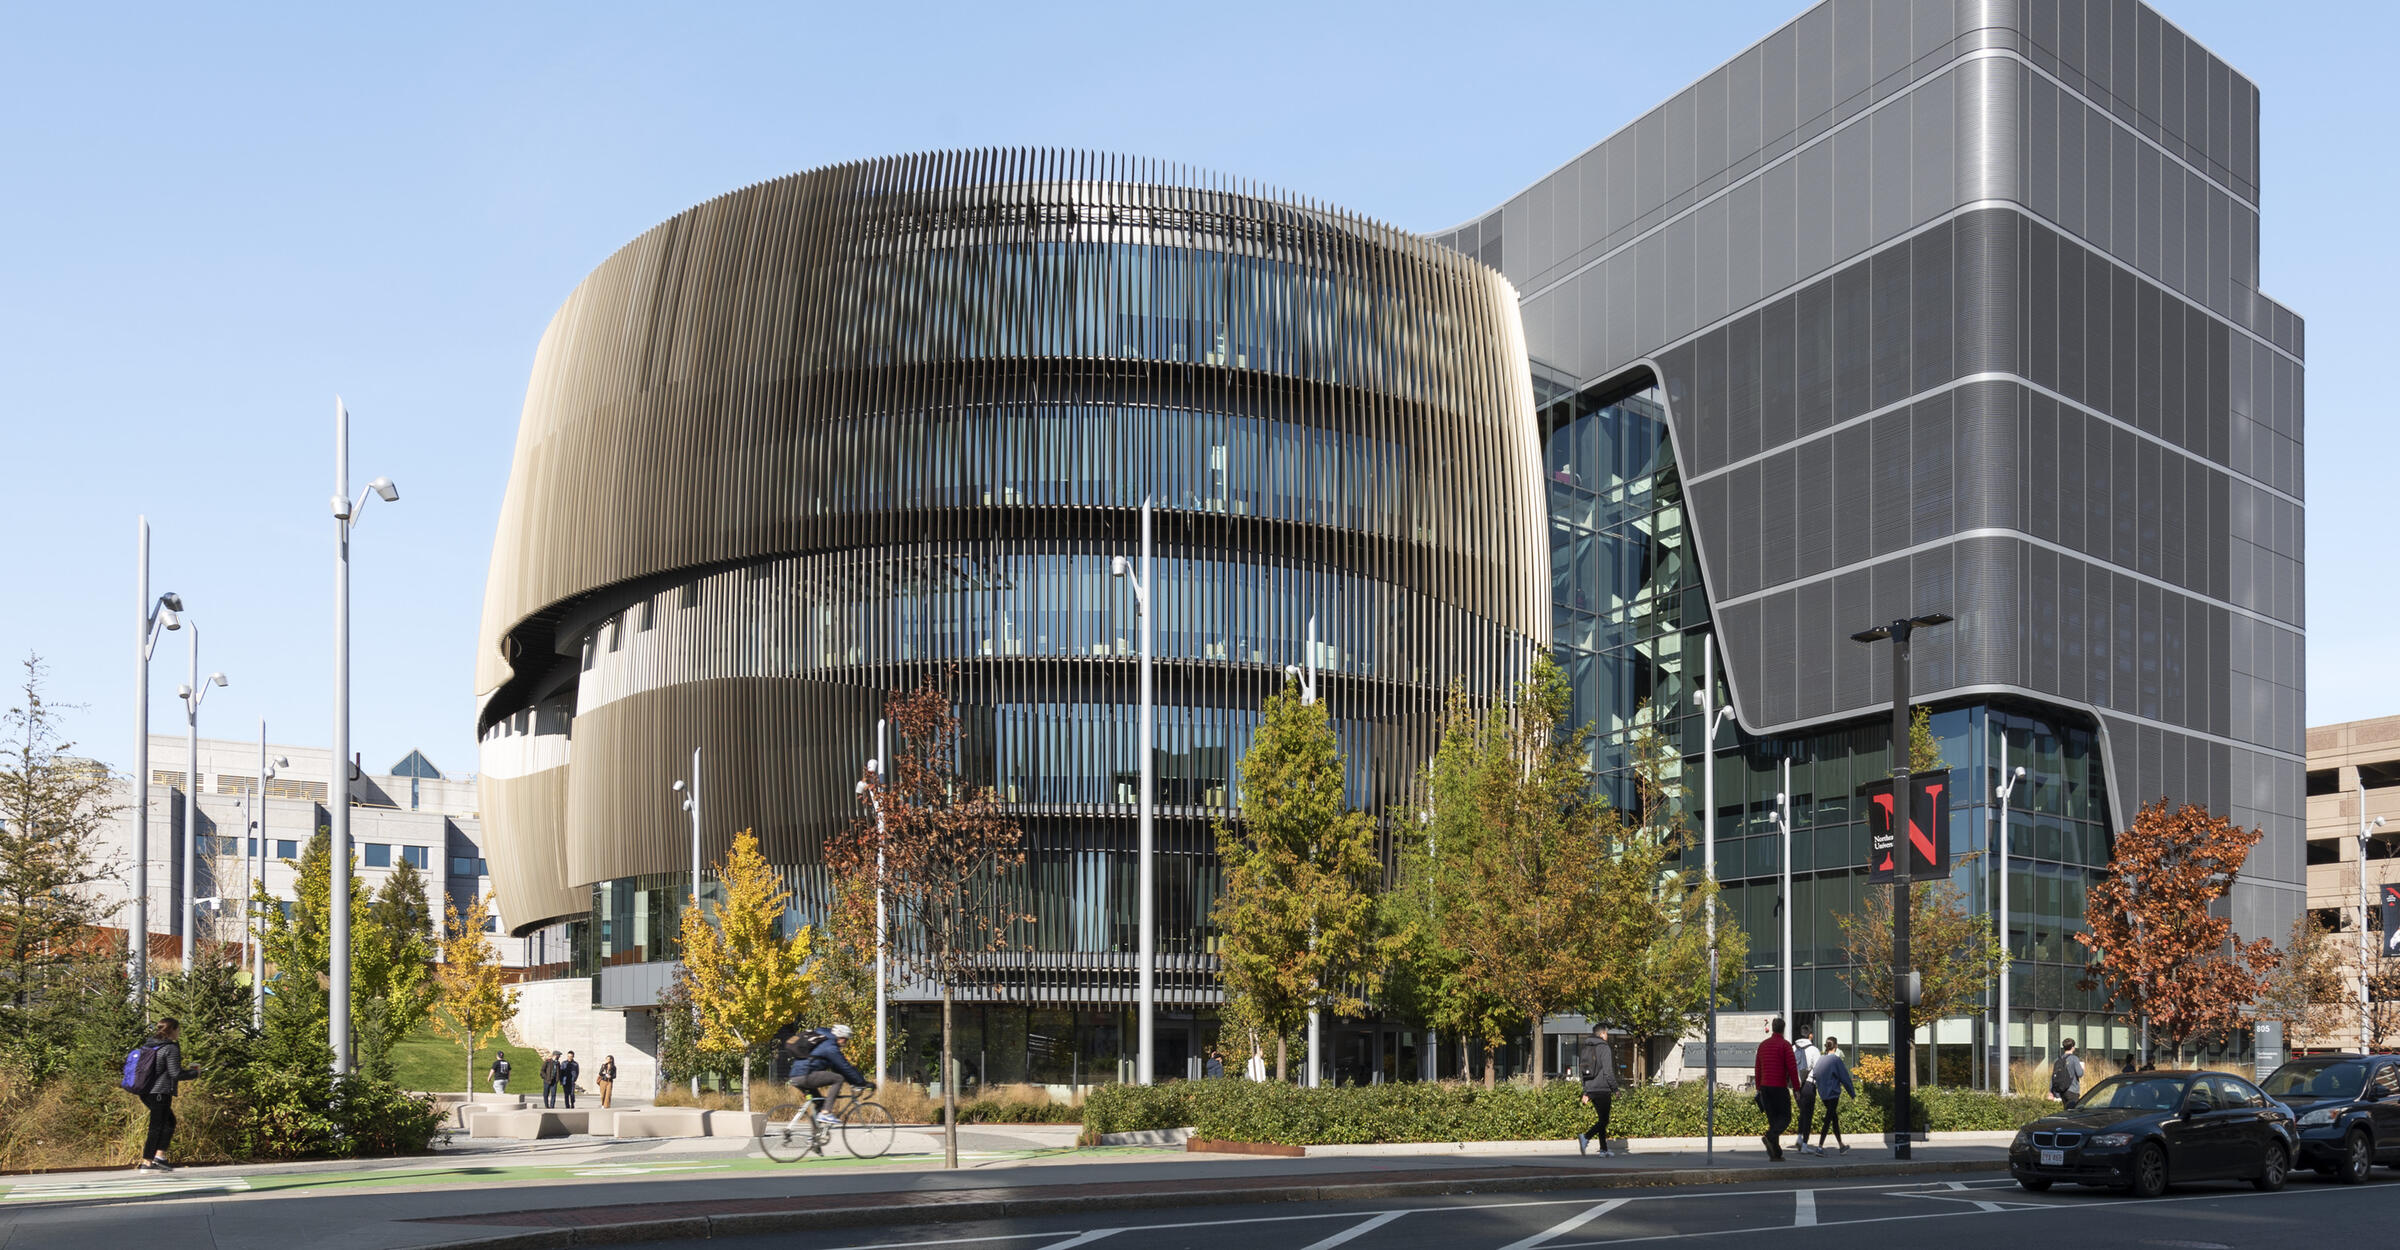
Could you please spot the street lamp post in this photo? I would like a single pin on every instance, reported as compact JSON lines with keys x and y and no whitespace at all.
{"x":1307,"y":677}
{"x":258,"y":948}
{"x":1904,"y":1032}
{"x":871,"y":792}
{"x":1783,"y":826}
{"x":2366,"y":978}
{"x":2007,"y":786}
{"x":192,"y":692}
{"x":1146,"y":976}
{"x":1711,"y":718}
{"x":155,"y":616}
{"x":346,"y":512}
{"x":691,"y":803}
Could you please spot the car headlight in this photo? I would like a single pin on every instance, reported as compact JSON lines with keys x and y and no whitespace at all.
{"x":2322,"y":1115}
{"x":2024,"y":1139}
{"x":2113,"y":1139}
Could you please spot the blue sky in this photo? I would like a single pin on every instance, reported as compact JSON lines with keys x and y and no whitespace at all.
{"x":216,"y":220}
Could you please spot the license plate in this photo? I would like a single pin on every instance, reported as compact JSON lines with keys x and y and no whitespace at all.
{"x":2054,"y":1158}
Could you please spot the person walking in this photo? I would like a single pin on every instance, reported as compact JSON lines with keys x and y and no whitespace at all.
{"x":1596,"y":1063}
{"x":166,"y":1072}
{"x":500,"y":1072}
{"x":569,"y":1072}
{"x":550,"y":1079}
{"x":1778,"y":1075}
{"x":1833,"y":1085}
{"x":2066,"y":1075}
{"x":1804,"y":1057}
{"x":607,"y":1078}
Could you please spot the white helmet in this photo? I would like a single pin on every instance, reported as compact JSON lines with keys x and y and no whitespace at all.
{"x":841,"y":1032}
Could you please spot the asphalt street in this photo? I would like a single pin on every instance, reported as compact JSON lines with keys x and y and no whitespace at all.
{"x":1975,"y":1214}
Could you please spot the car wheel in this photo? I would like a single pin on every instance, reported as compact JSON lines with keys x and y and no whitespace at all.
{"x":2149,"y":1171}
{"x":2033,"y":1184}
{"x":2358,"y":1158}
{"x":2274,"y":1170}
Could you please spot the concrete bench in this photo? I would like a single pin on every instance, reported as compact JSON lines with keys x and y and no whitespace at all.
{"x":528,"y":1123}
{"x":458,"y":1113}
{"x":659,"y":1122}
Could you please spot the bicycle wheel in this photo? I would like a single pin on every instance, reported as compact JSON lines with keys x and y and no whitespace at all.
{"x":788,"y":1136}
{"x":867,"y":1130}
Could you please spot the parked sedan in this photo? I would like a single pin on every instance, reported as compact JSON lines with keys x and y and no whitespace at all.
{"x":2347,"y":1110}
{"x":2143,"y":1131}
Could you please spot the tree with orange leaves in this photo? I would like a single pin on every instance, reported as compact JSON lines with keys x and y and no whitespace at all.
{"x":946,"y":847}
{"x":2158,"y":952}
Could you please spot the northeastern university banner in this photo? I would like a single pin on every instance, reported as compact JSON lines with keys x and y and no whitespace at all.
{"x":1927,"y":829}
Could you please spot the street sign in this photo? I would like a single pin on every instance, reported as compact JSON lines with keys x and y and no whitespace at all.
{"x":2269,"y":1048}
{"x":2391,"y":921}
{"x":1928,"y":827}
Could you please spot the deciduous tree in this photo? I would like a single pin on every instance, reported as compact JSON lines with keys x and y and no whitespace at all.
{"x":1298,"y":908}
{"x":474,"y":1002}
{"x":2311,"y":989}
{"x":948,"y":846}
{"x":2159,"y":953}
{"x":1423,"y":962}
{"x":749,"y":977}
{"x":52,"y":807}
{"x":1955,"y":952}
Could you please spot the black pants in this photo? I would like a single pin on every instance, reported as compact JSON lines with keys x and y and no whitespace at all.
{"x":549,"y":1093}
{"x":1777,"y":1103}
{"x":816,"y":1083}
{"x":1808,"y":1110}
{"x":1833,"y":1121}
{"x":567,"y":1088}
{"x":162,"y":1123}
{"x":1599,"y":1129}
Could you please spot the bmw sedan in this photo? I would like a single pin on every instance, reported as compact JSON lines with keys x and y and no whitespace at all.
{"x":2143,"y":1131}
{"x":2347,"y":1109}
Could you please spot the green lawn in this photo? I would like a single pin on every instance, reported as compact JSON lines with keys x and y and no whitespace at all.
{"x":426,"y":1060}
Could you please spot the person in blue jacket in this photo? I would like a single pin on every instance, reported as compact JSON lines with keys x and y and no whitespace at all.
{"x":825,"y":1067}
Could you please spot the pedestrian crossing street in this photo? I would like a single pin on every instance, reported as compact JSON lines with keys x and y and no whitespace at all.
{"x":132,"y":1185}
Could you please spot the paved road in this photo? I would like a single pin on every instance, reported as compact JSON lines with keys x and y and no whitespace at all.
{"x":1978,"y":1214}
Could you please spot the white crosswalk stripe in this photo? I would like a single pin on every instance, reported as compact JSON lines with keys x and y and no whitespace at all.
{"x":138,"y":1186}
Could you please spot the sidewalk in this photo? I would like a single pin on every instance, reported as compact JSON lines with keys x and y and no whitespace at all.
{"x":573,"y":1193}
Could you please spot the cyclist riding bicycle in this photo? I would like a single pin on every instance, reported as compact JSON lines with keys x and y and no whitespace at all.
{"x":824,"y":1067}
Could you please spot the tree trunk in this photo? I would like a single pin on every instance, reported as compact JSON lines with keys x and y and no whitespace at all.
{"x":1281,"y":1059}
{"x":1539,"y":1057}
{"x":949,"y":1089}
{"x":1490,"y":1064}
{"x":1641,"y":1057}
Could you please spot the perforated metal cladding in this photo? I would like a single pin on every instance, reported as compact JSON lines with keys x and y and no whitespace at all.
{"x":832,"y":434}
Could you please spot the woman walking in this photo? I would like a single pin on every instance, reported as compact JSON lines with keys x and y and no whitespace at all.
{"x":1833,"y":1085}
{"x":607,"y":1078}
{"x":158,"y":1093}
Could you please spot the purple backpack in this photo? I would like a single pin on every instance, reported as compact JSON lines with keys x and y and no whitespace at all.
{"x":141,"y":1064}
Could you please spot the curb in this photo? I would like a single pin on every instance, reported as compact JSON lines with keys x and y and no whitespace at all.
{"x":756,"y":1222}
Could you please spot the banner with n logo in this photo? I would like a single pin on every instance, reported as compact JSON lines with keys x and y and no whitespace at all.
{"x":1926,"y":828}
{"x":2391,"y":921}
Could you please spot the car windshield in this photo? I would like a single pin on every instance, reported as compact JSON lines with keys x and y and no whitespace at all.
{"x":2135,"y":1093}
{"x":2335,"y":1079}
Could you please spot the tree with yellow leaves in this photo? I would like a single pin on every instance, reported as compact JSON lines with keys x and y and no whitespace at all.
{"x":748,"y":978}
{"x":473,"y":1003}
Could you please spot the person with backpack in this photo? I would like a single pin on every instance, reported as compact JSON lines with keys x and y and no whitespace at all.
{"x":607,"y":1078}
{"x":550,"y":1079}
{"x":500,"y":1072}
{"x":1804,"y":1054}
{"x":824,"y":1067}
{"x":2066,"y":1075}
{"x":1596,"y":1064}
{"x":152,"y":1072}
{"x":1832,"y":1080}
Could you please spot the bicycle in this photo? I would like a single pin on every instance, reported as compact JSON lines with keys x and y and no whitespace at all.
{"x":791,"y":1132}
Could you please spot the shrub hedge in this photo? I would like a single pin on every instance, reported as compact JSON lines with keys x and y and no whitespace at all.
{"x":1232,"y":1110}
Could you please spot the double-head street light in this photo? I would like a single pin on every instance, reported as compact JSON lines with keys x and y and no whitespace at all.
{"x":153,"y":617}
{"x":1904,"y":1033}
{"x":192,"y":692}
{"x":1712,"y":718}
{"x":871,"y":791}
{"x":256,"y":861}
{"x":2366,"y":970}
{"x":2007,"y":787}
{"x":346,"y":512}
{"x":691,"y":803}
{"x":1146,"y":976}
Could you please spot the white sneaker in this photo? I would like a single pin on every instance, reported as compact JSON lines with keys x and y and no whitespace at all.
{"x":825,"y":1118}
{"x":1606,"y":1153}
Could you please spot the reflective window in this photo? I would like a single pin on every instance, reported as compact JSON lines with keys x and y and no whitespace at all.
{"x":378,"y":854}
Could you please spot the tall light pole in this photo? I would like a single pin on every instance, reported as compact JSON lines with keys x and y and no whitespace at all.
{"x":1783,"y":826}
{"x":155,"y":616}
{"x":2007,"y":786}
{"x":691,"y":803}
{"x":872,"y":793}
{"x":1711,"y":718}
{"x":192,"y":692}
{"x":1146,"y":976}
{"x":1904,"y":1032}
{"x":2366,"y":970}
{"x":258,"y":880}
{"x":346,"y":512}
{"x":1307,"y":677}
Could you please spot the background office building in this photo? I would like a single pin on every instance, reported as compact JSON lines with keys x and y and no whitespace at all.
{"x":846,"y":431}
{"x":1919,"y":307}
{"x":1944,"y":305}
{"x":2353,"y":782}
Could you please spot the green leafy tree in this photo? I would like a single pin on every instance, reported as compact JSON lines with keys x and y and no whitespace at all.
{"x":1423,"y":963}
{"x":748,"y":976}
{"x":1956,"y":953}
{"x":1298,"y":909}
{"x":392,"y":953}
{"x":391,"y":982}
{"x":473,"y":1002}
{"x":52,"y":808}
{"x":844,"y":971}
{"x":681,"y":1055}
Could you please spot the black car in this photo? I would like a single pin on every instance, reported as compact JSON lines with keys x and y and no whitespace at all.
{"x":2346,"y":1110}
{"x":2146,"y":1130}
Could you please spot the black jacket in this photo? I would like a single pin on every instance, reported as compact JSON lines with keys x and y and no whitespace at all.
{"x":549,"y":1071}
{"x":568,"y":1071}
{"x":167,"y":1070}
{"x":1596,"y":1064}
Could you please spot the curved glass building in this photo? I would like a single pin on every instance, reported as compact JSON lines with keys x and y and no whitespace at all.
{"x":836,"y":433}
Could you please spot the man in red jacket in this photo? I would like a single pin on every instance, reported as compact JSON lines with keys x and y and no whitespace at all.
{"x":1778,"y":1074}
